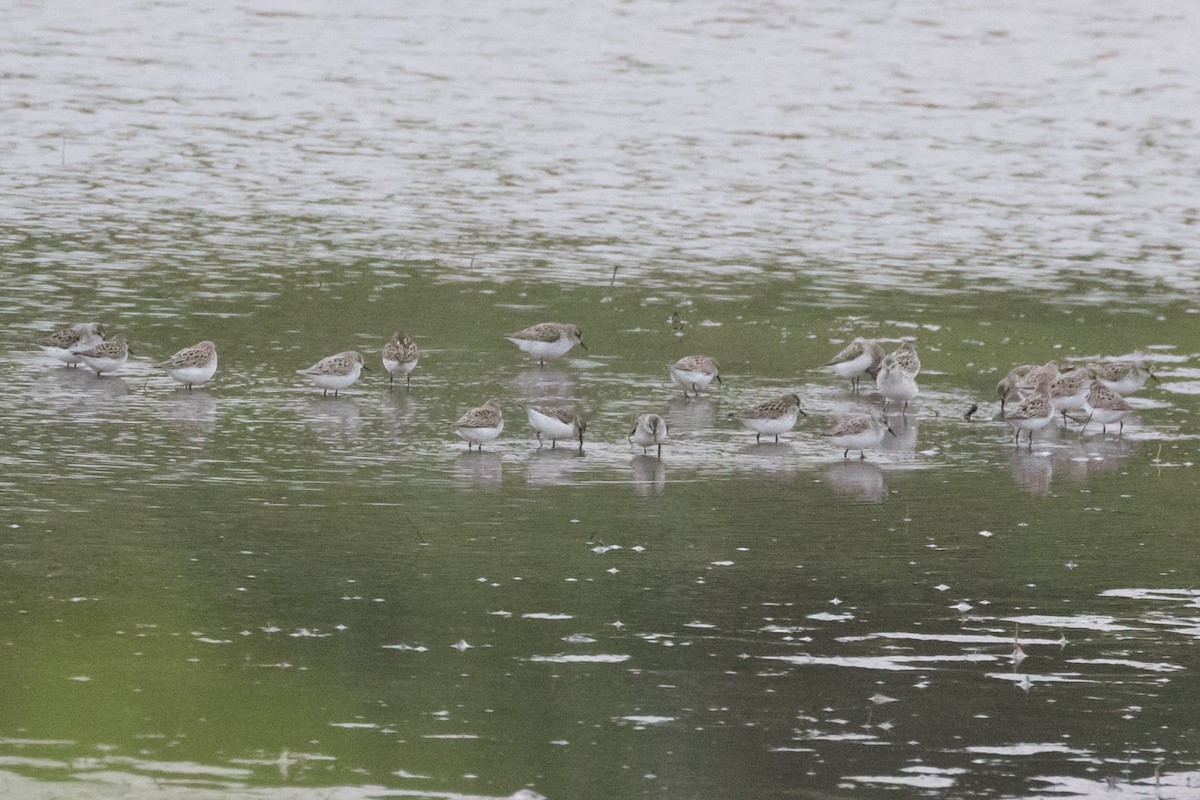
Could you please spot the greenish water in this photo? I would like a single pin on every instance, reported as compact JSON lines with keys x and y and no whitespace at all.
{"x":253,"y":591}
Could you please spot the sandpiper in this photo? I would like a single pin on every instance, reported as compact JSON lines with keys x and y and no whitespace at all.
{"x":481,"y":424}
{"x":65,"y":343}
{"x":895,"y":383}
{"x":1070,"y":391}
{"x":193,"y":366}
{"x":906,"y":357}
{"x":860,"y":358}
{"x":547,"y":339}
{"x":108,"y":356}
{"x":649,"y":430}
{"x":335,"y":372}
{"x":1007,"y":389}
{"x":400,"y":355}
{"x":1107,"y":407}
{"x":859,"y":432}
{"x":556,"y":423}
{"x":772,"y":417}
{"x":695,"y":372}
{"x":1034,"y":412}
{"x":1125,"y":377}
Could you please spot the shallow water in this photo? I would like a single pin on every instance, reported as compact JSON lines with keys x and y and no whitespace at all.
{"x":250,"y":590}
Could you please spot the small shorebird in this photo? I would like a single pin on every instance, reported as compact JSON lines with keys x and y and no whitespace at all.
{"x":193,"y":366}
{"x":65,"y":343}
{"x":335,"y":372}
{"x":1007,"y":389}
{"x":906,"y":357}
{"x":694,"y":371}
{"x":547,"y":340}
{"x":1125,"y":377}
{"x":1029,"y":383}
{"x":1107,"y":407}
{"x":400,"y":355}
{"x":481,"y":424}
{"x":860,"y":358}
{"x":1034,"y":412}
{"x":557,"y":423}
{"x":1070,"y":391}
{"x":859,"y":432}
{"x":108,"y":356}
{"x":772,"y":417}
{"x":649,"y":430}
{"x":895,"y":383}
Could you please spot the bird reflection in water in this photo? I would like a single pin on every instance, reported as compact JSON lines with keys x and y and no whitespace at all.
{"x":478,"y":469}
{"x":649,"y":475}
{"x":860,"y":481}
{"x":552,"y":467}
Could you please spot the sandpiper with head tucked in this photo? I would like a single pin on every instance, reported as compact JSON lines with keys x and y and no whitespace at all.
{"x":481,"y":424}
{"x":556,"y":423}
{"x":547,"y":339}
{"x":695,"y":372}
{"x":648,"y":431}
{"x":108,"y":356}
{"x":859,"y":432}
{"x":906,"y":357}
{"x":400,"y":355}
{"x":772,"y":417}
{"x":858,"y":359}
{"x":65,"y":343}
{"x":335,"y":372}
{"x":193,"y":366}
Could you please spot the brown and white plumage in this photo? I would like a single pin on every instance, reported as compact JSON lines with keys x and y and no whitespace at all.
{"x":895,"y":383}
{"x":1069,"y":392}
{"x":860,"y":357}
{"x":108,"y":356}
{"x":547,"y":339}
{"x":65,"y":343}
{"x":400,"y":354}
{"x":1106,"y":407}
{"x":772,"y":417}
{"x":193,"y":366}
{"x":695,"y":372}
{"x":859,"y":432}
{"x":905,"y":356}
{"x":1028,"y":384}
{"x":335,"y":372}
{"x":1126,"y":376}
{"x":1034,"y":412}
{"x":481,"y":424}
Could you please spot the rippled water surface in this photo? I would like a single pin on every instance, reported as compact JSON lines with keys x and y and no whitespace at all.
{"x":253,"y":591}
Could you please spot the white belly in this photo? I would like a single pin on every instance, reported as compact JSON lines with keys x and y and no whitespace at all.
{"x":644,"y":438}
{"x":480,"y":434}
{"x":105,"y":364}
{"x":855,"y":366}
{"x":336,"y":382}
{"x":1028,"y":424}
{"x":688,"y":378}
{"x":194,"y":376}
{"x":895,"y":384}
{"x":63,"y":355}
{"x":538,"y":349}
{"x":550,"y":426}
{"x":859,"y":441}
{"x":771,"y":427}
{"x":1107,"y":416}
{"x":402,"y":367}
{"x":1074,"y":402}
{"x":1127,"y":385}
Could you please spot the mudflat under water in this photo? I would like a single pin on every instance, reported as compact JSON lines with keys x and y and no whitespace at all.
{"x":253,"y":591}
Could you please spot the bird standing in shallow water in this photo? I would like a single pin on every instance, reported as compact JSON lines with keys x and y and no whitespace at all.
{"x":860,"y":358}
{"x":547,"y":340}
{"x":557,"y":423}
{"x":859,"y":432}
{"x":400,"y":355}
{"x":335,"y":372}
{"x":481,"y":424}
{"x":108,"y":356}
{"x":65,"y":343}
{"x":772,"y":417}
{"x":193,"y":366}
{"x":649,"y":430}
{"x":696,"y":372}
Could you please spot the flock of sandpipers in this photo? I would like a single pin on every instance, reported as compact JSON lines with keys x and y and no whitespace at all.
{"x":1038,"y":391}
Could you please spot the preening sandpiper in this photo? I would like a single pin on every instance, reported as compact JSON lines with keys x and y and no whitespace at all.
{"x":65,"y":343}
{"x":648,"y":431}
{"x":193,"y":366}
{"x":861,"y":358}
{"x":481,"y":424}
{"x":400,"y":356}
{"x":694,"y":372}
{"x":547,"y":339}
{"x":335,"y":372}
{"x":108,"y":356}
{"x":859,"y":432}
{"x":556,"y":423}
{"x":772,"y":417}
